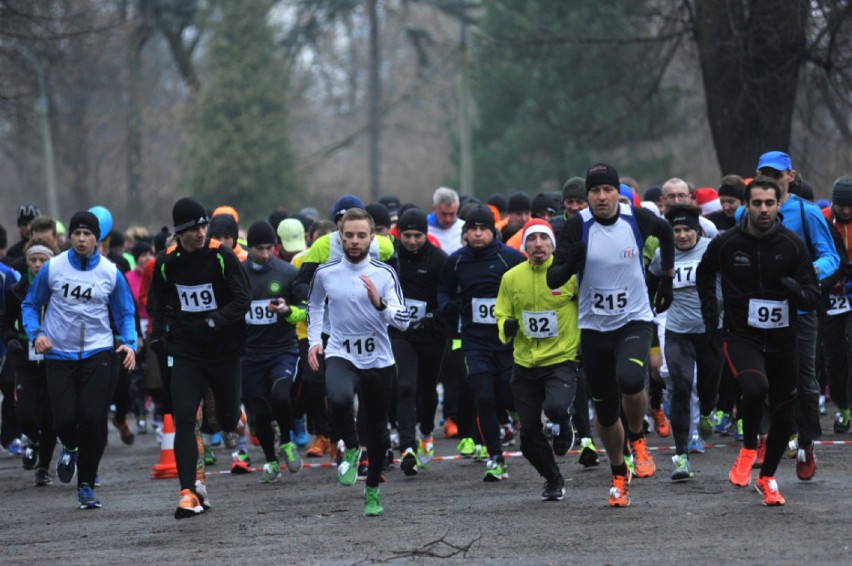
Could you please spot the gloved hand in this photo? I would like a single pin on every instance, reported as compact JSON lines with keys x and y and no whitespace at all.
{"x":577,"y":253}
{"x":665,"y":295}
{"x":792,"y":288}
{"x":15,"y":346}
{"x":510,"y":327}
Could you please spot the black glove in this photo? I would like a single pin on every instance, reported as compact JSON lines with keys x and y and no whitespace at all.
{"x":665,"y":295}
{"x":792,"y":288}
{"x":577,"y":254}
{"x":424,"y":323}
{"x":157,"y":345}
{"x":510,"y":327}
{"x":15,"y":346}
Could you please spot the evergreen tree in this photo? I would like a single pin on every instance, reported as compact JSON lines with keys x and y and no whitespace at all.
{"x":239,"y":152}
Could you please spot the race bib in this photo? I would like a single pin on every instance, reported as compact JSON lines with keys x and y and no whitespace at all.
{"x":540,"y":324}
{"x":143,"y":323}
{"x":768,"y":314}
{"x":684,"y":274}
{"x":196,"y":298}
{"x":416,"y":310}
{"x":361,"y":347}
{"x":609,"y":302}
{"x":32,"y":353}
{"x":838,"y":303}
{"x":483,"y":311}
{"x":77,"y":290}
{"x":259,"y":314}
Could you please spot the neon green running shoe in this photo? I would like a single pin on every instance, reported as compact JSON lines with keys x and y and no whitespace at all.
{"x":480,"y":454}
{"x":466,"y":448}
{"x":271,"y":472}
{"x":291,"y":456}
{"x":347,"y":471}
{"x":495,"y":470}
{"x":682,"y":470}
{"x":372,"y":502}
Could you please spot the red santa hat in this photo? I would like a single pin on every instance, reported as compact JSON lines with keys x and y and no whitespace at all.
{"x":708,"y":199}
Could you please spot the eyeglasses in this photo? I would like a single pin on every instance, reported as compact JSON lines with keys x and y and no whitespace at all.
{"x":677,"y":196}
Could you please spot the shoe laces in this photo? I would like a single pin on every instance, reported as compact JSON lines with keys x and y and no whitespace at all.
{"x":770,"y":485}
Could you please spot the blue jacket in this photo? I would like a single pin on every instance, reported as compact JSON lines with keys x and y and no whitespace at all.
{"x":474,"y":276}
{"x":79,"y":298}
{"x":8,"y":277}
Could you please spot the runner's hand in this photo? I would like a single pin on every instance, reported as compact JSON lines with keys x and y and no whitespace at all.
{"x":314,"y":355}
{"x":665,"y":295}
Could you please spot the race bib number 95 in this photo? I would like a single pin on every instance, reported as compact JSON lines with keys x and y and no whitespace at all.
{"x":768,"y":314}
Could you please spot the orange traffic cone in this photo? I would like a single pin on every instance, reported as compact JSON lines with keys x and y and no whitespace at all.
{"x":167,"y":468}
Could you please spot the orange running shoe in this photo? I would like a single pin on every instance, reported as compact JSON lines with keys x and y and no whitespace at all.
{"x":451,"y":429}
{"x":189,"y":505}
{"x":619,"y":493}
{"x":768,"y":488}
{"x":320,"y":447}
{"x":761,"y":452}
{"x":661,"y":423}
{"x":643,"y":463}
{"x":740,"y":473}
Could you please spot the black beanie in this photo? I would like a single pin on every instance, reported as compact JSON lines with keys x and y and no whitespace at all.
{"x":518,"y":202}
{"x":731,"y":191}
{"x":380,"y":214}
{"x":224,"y":224}
{"x":841,"y":192}
{"x":188,"y":213}
{"x":544,"y":202}
{"x":413,"y":219}
{"x":261,"y":232}
{"x":602,"y":174}
{"x":87,"y":220}
{"x":684,"y":215}
{"x":140,"y":247}
{"x":653,"y":194}
{"x":479,"y":215}
{"x":499,"y":201}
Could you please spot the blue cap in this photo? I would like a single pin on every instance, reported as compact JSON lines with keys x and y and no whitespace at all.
{"x":343,"y":204}
{"x":777,"y":160}
{"x":626,"y":192}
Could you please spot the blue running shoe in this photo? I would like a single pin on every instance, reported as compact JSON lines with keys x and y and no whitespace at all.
{"x":300,"y":435}
{"x":723,"y":424}
{"x":216,"y":440}
{"x":15,"y":447}
{"x":97,"y":480}
{"x":695,"y":445}
{"x":66,"y":465}
{"x":86,"y":498}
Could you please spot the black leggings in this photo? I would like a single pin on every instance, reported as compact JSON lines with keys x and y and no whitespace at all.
{"x":418,"y":365}
{"x":375,"y":389}
{"x":759,"y":375}
{"x":615,"y":364}
{"x":32,"y":406}
{"x":189,"y":378}
{"x":80,"y":392}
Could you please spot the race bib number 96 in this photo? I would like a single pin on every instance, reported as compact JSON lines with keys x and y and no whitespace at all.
{"x":196,"y":298}
{"x":483,"y":311}
{"x":768,"y":314}
{"x":540,"y":324}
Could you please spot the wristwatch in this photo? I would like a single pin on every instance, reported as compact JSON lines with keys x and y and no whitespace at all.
{"x":382,"y":305}
{"x":210,"y":322}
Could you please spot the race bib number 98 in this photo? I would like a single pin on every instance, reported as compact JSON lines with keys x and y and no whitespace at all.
{"x":196,"y":298}
{"x":768,"y":314}
{"x":540,"y":324}
{"x":483,"y":311}
{"x":609,"y":302}
{"x":259,"y":314}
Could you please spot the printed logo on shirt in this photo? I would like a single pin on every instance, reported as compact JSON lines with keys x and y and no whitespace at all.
{"x":629,"y":253}
{"x":274,"y":287}
{"x":742,"y":259}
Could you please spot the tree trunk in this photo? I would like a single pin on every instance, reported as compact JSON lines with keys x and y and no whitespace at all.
{"x":750,"y":53}
{"x":374,"y":101}
{"x":139,"y":35}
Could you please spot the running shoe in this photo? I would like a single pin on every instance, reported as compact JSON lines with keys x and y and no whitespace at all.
{"x":631,"y":469}
{"x":300,"y":435}
{"x":241,"y":462}
{"x":738,"y":433}
{"x":507,"y":435}
{"x":216,"y":439}
{"x":253,"y":437}
{"x":124,"y":431}
{"x":495,"y":470}
{"x":320,"y":447}
{"x":681,"y":470}
{"x":394,"y":439}
{"x":740,"y":473}
{"x":793,"y":446}
{"x":563,"y":438}
{"x":695,"y":445}
{"x":141,"y":426}
{"x":661,"y":423}
{"x":425,"y":451}
{"x":822,"y":409}
{"x":761,"y":452}
{"x":231,"y":439}
{"x":209,"y":456}
{"x":480,"y":454}
{"x":451,"y":429}
{"x":14,"y":447}
{"x":806,"y":463}
{"x":347,"y":471}
{"x":86,"y":498}
{"x":372,"y":502}
{"x":643,"y":463}
{"x":66,"y":465}
{"x":588,"y":453}
{"x":705,"y":427}
{"x":723,"y":422}
{"x":201,"y":492}
{"x":30,"y":455}
{"x":408,"y":463}
{"x":291,"y":457}
{"x":619,"y":493}
{"x":387,"y":462}
{"x":97,"y":480}
{"x":189,"y":505}
{"x":554,"y":490}
{"x":42,"y":477}
{"x":466,"y":448}
{"x":842,"y":418}
{"x":768,"y":488}
{"x":271,"y":472}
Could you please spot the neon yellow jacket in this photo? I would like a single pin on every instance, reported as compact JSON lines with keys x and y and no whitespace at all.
{"x":524,"y":288}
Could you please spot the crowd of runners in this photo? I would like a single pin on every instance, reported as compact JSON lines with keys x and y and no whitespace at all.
{"x":689,"y":312}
